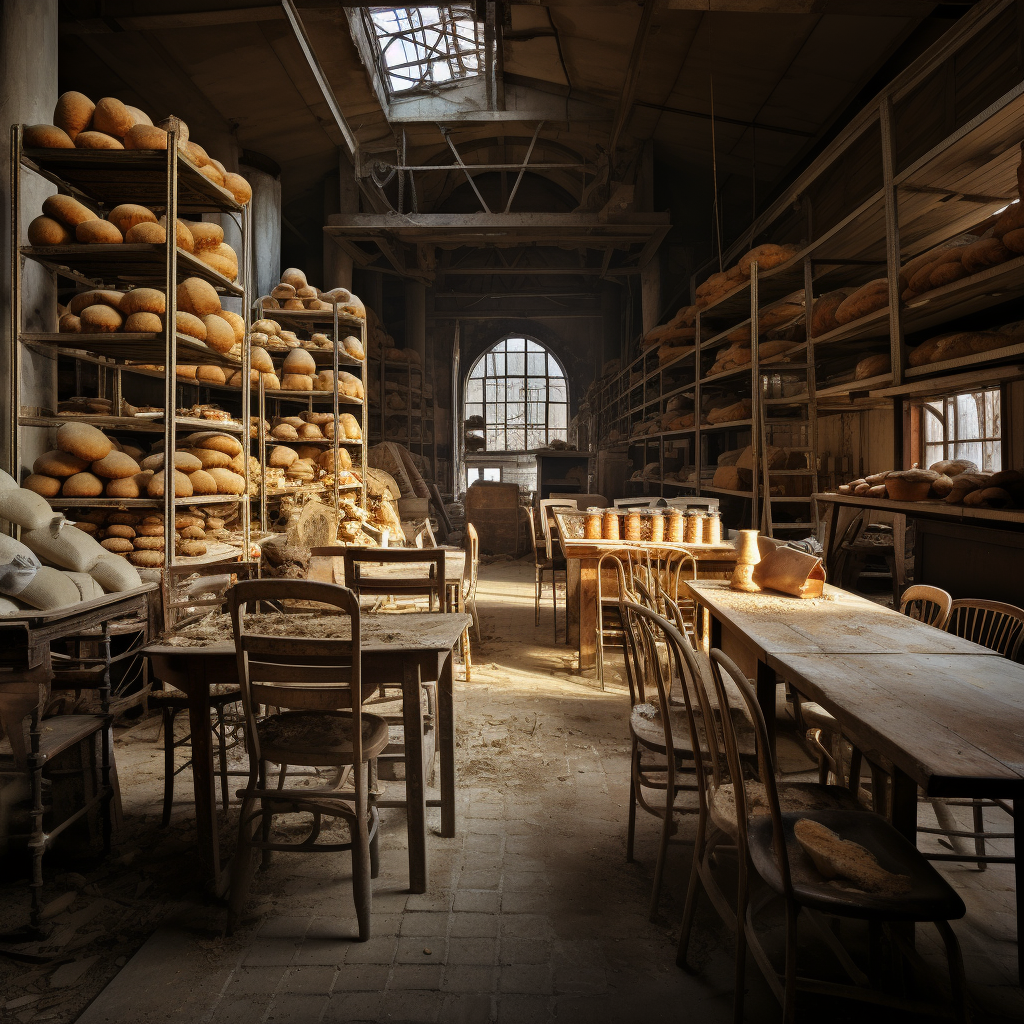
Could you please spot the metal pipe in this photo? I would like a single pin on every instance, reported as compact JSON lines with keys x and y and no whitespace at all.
{"x":469,"y":177}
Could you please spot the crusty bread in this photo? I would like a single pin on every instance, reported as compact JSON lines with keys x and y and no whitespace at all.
{"x":149,"y":543}
{"x":73,"y":113}
{"x":186,"y":323}
{"x":202,"y":482}
{"x":207,"y":234}
{"x":835,"y":857}
{"x":125,"y":487}
{"x":82,"y":485}
{"x":284,"y":432}
{"x":351,"y":426}
{"x":236,"y":323}
{"x":143,"y":323}
{"x":215,"y":441}
{"x":138,"y":116}
{"x":259,"y":359}
{"x":145,"y":136}
{"x":182,"y":485}
{"x":227,"y":481}
{"x":953,"y":467}
{"x":151,"y":234}
{"x":83,"y":441}
{"x":143,"y":300}
{"x":112,"y":117}
{"x":299,"y":360}
{"x":198,"y":297}
{"x":187,"y":371}
{"x":46,"y":136}
{"x":270,"y":327}
{"x":212,"y":172}
{"x":238,"y":187}
{"x":115,"y":466}
{"x":281,"y":456}
{"x":100,"y":319}
{"x":98,"y":296}
{"x":47,"y":231}
{"x":97,"y":140}
{"x":67,"y":210}
{"x":211,"y":374}
{"x":986,"y":252}
{"x":294,"y":279}
{"x":182,"y":239}
{"x":219,"y":334}
{"x":127,"y":215}
{"x":222,"y":259}
{"x":296,"y":381}
{"x":196,"y":153}
{"x":946,"y":273}
{"x":59,"y":464}
{"x":270,"y":382}
{"x":283,"y":291}
{"x":147,"y":559}
{"x":69,"y":324}
{"x":47,"y":486}
{"x":98,"y":232}
{"x":873,"y":296}
{"x":209,"y":459}
{"x":353,"y":347}
{"x":872,"y":366}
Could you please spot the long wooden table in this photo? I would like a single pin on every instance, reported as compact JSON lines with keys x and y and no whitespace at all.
{"x":946,"y":714}
{"x":415,"y":648}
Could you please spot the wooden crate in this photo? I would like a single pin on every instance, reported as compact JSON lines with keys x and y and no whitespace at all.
{"x":493,"y":508}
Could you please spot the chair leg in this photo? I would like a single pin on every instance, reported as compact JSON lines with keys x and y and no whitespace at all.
{"x":168,"y":716}
{"x":241,"y":865}
{"x":467,"y":655}
{"x":537,"y":576}
{"x":690,"y":907}
{"x":476,"y":618}
{"x":631,"y":829}
{"x":554,"y":602}
{"x":740,"y":966}
{"x":375,"y":844}
{"x":957,"y":980}
{"x":362,"y":892}
{"x":789,"y":986}
{"x":222,"y":757}
{"x":659,"y":867}
{"x":979,"y":826}
{"x":266,"y":818}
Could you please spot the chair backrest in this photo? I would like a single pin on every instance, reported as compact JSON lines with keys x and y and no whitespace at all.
{"x":425,"y":536}
{"x":188,"y":603}
{"x":581,"y":501}
{"x":471,"y":544}
{"x":534,"y":539}
{"x":546,"y":506}
{"x":723,"y":668}
{"x":409,"y":572}
{"x":297,"y":673}
{"x":993,"y":624}
{"x":929,"y":605}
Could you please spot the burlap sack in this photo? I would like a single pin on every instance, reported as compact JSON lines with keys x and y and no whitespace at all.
{"x":18,"y":566}
{"x":791,"y":572}
{"x":114,"y":574}
{"x":29,"y":510}
{"x":63,"y":544}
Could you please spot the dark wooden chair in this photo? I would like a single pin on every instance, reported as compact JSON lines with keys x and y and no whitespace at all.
{"x":543,"y":563}
{"x":769,"y":851}
{"x":318,"y":689}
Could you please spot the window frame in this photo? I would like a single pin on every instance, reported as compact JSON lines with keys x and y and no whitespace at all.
{"x":991,"y":430}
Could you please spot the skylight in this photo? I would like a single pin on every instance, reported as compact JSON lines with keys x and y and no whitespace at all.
{"x":420,"y":47}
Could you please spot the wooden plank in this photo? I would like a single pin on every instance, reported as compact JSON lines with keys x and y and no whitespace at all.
{"x":838,"y":623}
{"x":955,"y":726}
{"x":934,"y":509}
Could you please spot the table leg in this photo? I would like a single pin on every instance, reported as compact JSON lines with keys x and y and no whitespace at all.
{"x":903,"y":804}
{"x":1018,"y":877}
{"x":446,"y":739}
{"x":415,"y":792}
{"x":202,"y":771}
{"x":588,"y":617}
{"x":766,"y":688}
{"x":572,"y":601}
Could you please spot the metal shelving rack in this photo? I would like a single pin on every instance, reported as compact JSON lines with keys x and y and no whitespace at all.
{"x":399,"y":378}
{"x":104,"y":179}
{"x":311,"y":321}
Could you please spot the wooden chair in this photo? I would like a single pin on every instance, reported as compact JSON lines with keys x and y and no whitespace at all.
{"x":471,"y":542}
{"x":929,"y":605}
{"x":318,"y":688}
{"x":208,"y":594}
{"x":542,"y":563}
{"x":768,"y":851}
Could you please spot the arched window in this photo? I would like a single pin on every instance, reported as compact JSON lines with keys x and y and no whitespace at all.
{"x":519,"y":389}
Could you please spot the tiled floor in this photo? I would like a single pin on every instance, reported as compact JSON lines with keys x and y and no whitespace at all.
{"x":532,"y":914}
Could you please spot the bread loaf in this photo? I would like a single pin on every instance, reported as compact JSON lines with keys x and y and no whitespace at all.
{"x":766,"y":257}
{"x":235,"y":322}
{"x":227,"y":481}
{"x":293,"y":278}
{"x":150,"y":234}
{"x":348,"y":423}
{"x":211,"y":374}
{"x":183,"y":240}
{"x":47,"y":231}
{"x":97,"y":140}
{"x":209,"y":459}
{"x":202,"y":482}
{"x":102,"y":232}
{"x":947,"y":272}
{"x":113,"y":117}
{"x":281,"y":457}
{"x":156,"y":485}
{"x":270,"y":327}
{"x":59,"y":464}
{"x":299,"y":361}
{"x":215,"y":441}
{"x":69,"y":324}
{"x":223,"y":259}
{"x":986,"y":252}
{"x":46,"y":486}
{"x":219,"y":334}
{"x":270,"y":381}
{"x":282,"y":292}
{"x":873,"y":296}
{"x":182,"y":460}
{"x":93,"y":298}
{"x":259,"y":359}
{"x":207,"y":235}
{"x":127,"y":215}
{"x":1011,"y":219}
{"x":941,"y":486}
{"x":143,"y":300}
{"x":84,"y":441}
{"x":73,"y":113}
{"x":872,"y":366}
{"x":115,"y":466}
{"x":238,"y":187}
{"x":192,"y":326}
{"x":82,"y":485}
{"x":213,"y":173}
{"x":910,"y":484}
{"x":126,"y":487}
{"x":296,"y":382}
{"x":992,"y":497}
{"x":198,"y":297}
{"x":70,"y":212}
{"x":46,"y":136}
{"x":145,"y":136}
{"x":953,"y":467}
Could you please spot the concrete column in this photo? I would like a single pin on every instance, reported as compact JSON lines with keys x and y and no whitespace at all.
{"x":416,"y":318}
{"x":266,"y":227}
{"x":28,"y":93}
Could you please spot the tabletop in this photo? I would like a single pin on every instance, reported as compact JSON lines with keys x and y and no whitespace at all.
{"x":836,"y":623}
{"x":951,"y":724}
{"x":381,"y":633}
{"x":454,"y":568}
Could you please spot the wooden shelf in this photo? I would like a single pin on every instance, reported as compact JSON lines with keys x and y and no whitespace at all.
{"x":305,"y":319}
{"x":730,"y":425}
{"x":852,"y":386}
{"x":1014,"y":351}
{"x":132,"y":424}
{"x":140,"y":347}
{"x":933,"y":509}
{"x":138,"y":263}
{"x":104,"y":502}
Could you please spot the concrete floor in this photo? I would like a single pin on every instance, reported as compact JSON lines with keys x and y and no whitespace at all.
{"x":532,"y":914}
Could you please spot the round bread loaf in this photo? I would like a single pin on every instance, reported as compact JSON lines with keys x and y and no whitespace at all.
{"x":198,"y":297}
{"x":127,"y":215}
{"x":910,"y":484}
{"x":67,"y":210}
{"x":211,"y":374}
{"x":126,"y":487}
{"x":319,"y":418}
{"x":309,"y":431}
{"x":182,"y":485}
{"x":299,"y":360}
{"x":98,"y":232}
{"x":196,"y":154}
{"x":215,"y":441}
{"x":296,"y":382}
{"x":115,"y":466}
{"x":193,"y":532}
{"x":191,"y":548}
{"x":82,"y":485}
{"x":283,"y":291}
{"x":258,"y":340}
{"x":113,"y":117}
{"x":284,"y":432}
{"x":182,"y":460}
{"x":171,"y":123}
{"x":351,"y":426}
{"x":210,"y":459}
{"x":150,"y":530}
{"x":143,"y":300}
{"x":270,"y":382}
{"x":292,"y":304}
{"x":294,"y":278}
{"x":59,"y":464}
{"x":100,"y":320}
{"x":145,"y":136}
{"x":237,"y":463}
{"x":227,"y":482}
{"x":207,"y":235}
{"x":306,"y":292}
{"x":183,"y":519}
{"x":83,"y":441}
{"x":149,"y":543}
{"x":147,"y":232}
{"x":190,"y":325}
{"x":147,"y":559}
{"x":143,"y":323}
{"x":96,"y":297}
{"x":281,"y":457}
{"x":238,"y":187}
{"x":183,"y":240}
{"x":333,"y":461}
{"x":308,"y":451}
{"x":354,"y":347}
{"x":235,"y":322}
{"x":202,"y":482}
{"x":222,"y":259}
{"x":220,"y":335}
{"x":119,"y":545}
{"x":953,"y":467}
{"x":295,"y":421}
{"x":46,"y":136}
{"x":270,"y":327}
{"x":47,"y":486}
{"x":185,"y":371}
{"x":91,"y":529}
{"x":73,"y":113}
{"x":139,"y":116}
{"x":69,"y":324}
{"x":47,"y":231}
{"x":259,"y":359}
{"x":269,"y":303}
{"x":97,"y":140}
{"x":213,"y":173}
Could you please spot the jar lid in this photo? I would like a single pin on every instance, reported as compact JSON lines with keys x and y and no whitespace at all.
{"x":595,"y":508}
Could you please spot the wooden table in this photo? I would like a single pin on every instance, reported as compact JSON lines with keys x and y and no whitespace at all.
{"x":334,"y":570}
{"x":953,"y":726}
{"x":416,"y":648}
{"x":582,"y":558}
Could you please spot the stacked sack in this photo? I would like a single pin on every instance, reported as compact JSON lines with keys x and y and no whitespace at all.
{"x":78,"y":123}
{"x":767,"y":256}
{"x":295,"y":293}
{"x":954,"y":481}
{"x":54,"y":565}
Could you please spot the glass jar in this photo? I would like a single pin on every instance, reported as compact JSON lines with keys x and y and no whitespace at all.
{"x":694,"y":526}
{"x":676,"y":530}
{"x":657,"y":533}
{"x":593,"y":525}
{"x":713,"y":527}
{"x":633,"y":532}
{"x":610,"y":526}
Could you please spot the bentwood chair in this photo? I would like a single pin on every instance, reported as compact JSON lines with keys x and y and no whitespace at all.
{"x":553,"y":550}
{"x":929,"y":605}
{"x":882,"y":879}
{"x":542,"y":563}
{"x":318,"y":689}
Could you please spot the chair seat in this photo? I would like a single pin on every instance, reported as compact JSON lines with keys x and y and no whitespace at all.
{"x":315,"y":738}
{"x":219,"y":692}
{"x":645,"y":723}
{"x":794,"y":798}
{"x":57,"y":734}
{"x":927,"y":897}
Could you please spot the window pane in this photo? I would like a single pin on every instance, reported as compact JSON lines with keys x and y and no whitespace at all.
{"x":474,"y":409}
{"x":556,"y":392}
{"x":475,"y":391}
{"x":536,"y":363}
{"x":514,"y":364}
{"x":496,"y":365}
{"x":557,"y":416}
{"x":492,"y":473}
{"x":515,"y":344}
